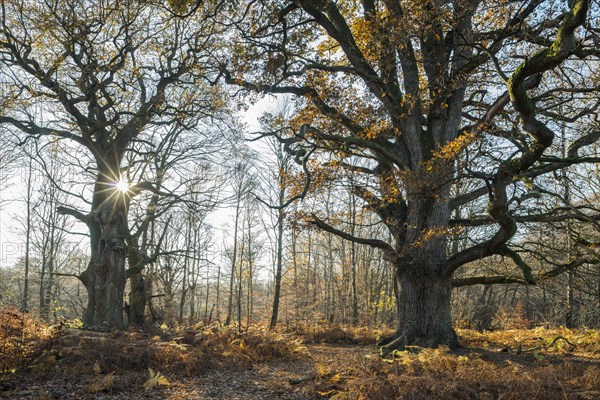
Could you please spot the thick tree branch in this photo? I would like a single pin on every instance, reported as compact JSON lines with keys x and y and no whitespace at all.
{"x":542,"y":61}
{"x":388,"y":250}
{"x":82,"y":217}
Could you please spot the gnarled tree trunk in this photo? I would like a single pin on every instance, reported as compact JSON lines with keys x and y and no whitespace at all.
{"x":109,"y":266}
{"x":424,"y":312}
{"x":105,"y":276}
{"x":424,"y":317}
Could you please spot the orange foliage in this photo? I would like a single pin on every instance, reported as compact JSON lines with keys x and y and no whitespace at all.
{"x":435,"y":233}
{"x":579,"y":342}
{"x":515,"y":318}
{"x":438,"y":374}
{"x":545,"y":368}
{"x":336,"y":333}
{"x":321,"y":176}
{"x":483,"y":370}
{"x":20,"y":337}
{"x":434,"y":171}
{"x":185,"y":350}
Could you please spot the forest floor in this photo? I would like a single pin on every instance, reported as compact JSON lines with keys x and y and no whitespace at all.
{"x":300,"y":362}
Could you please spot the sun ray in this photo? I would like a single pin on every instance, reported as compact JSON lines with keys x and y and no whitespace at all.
{"x":122,"y":186}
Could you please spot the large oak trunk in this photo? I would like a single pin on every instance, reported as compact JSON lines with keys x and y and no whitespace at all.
{"x":109,"y":266}
{"x":424,"y":314}
{"x":105,"y":276}
{"x":424,"y":317}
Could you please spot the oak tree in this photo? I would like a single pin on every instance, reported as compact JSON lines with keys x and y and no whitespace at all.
{"x":399,"y":91}
{"x":104,"y":73}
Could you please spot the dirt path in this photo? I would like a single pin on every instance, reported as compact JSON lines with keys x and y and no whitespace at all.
{"x":281,"y":379}
{"x":293,"y":379}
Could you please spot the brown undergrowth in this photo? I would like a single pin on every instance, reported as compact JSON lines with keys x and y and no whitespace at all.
{"x":515,"y":364}
{"x":438,"y":374}
{"x":21,"y":337}
{"x":182,"y":350}
{"x":580,"y":342}
{"x":336,"y":333}
{"x":300,"y":361}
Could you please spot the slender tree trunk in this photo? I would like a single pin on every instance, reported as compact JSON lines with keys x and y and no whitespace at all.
{"x":249,"y":293}
{"x":354,"y":287}
{"x":309,"y":269}
{"x":193,"y":274}
{"x":233,"y":261}
{"x":193,"y":296}
{"x":186,"y":263}
{"x":328,"y":274}
{"x":342,"y":284}
{"x":43,"y":268}
{"x":206,"y":298}
{"x":149,"y":299}
{"x":295,"y":266}
{"x":570,"y":315}
{"x":218,"y":294}
{"x":240,"y":282}
{"x":278,"y":271}
{"x":353,"y":258}
{"x":50,"y":288}
{"x":137,"y":292}
{"x":43,"y":284}
{"x":25,"y":305}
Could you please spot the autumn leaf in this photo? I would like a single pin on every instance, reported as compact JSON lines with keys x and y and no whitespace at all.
{"x":155,"y":379}
{"x":102,"y":383}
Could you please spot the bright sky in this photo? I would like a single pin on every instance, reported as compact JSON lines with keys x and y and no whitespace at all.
{"x":12,"y":200}
{"x":10,"y":189}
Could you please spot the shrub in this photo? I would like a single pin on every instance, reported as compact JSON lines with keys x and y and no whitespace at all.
{"x":439,"y":374}
{"x":185,"y":350}
{"x":337,"y":334}
{"x":21,"y":336}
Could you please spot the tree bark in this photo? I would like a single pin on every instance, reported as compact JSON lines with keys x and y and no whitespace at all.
{"x":424,"y":317}
{"x":105,"y":276}
{"x":250,"y":289}
{"x":25,"y":304}
{"x":353,"y":258}
{"x":110,"y":265}
{"x":137,"y":298}
{"x":233,"y":261}
{"x":278,"y":271}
